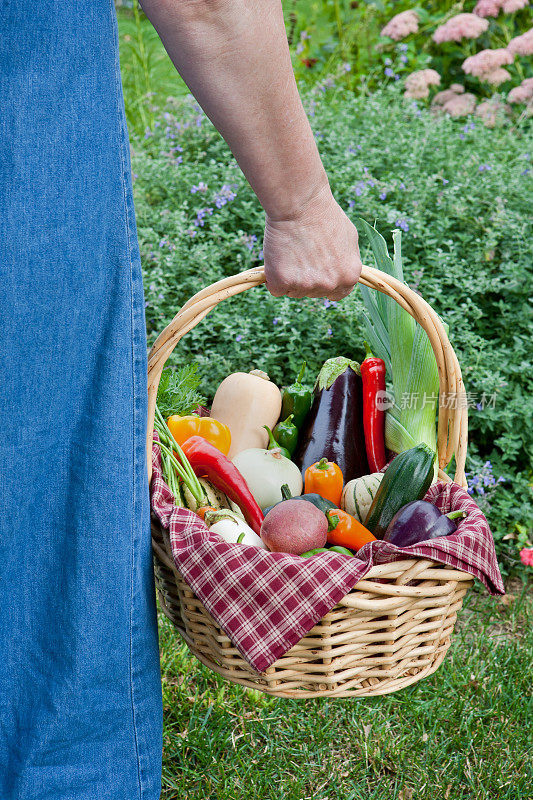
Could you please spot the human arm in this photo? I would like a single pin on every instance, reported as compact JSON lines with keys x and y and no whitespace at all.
{"x":234,"y":56}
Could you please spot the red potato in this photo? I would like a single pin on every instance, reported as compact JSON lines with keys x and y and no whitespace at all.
{"x":294,"y":526}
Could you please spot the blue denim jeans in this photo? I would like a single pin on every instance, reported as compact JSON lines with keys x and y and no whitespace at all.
{"x":80,"y":692}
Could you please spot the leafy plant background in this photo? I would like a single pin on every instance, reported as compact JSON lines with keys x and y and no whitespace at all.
{"x":336,"y":42}
{"x":332,"y":33}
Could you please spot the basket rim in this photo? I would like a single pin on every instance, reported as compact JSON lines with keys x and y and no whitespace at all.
{"x":408,"y":568}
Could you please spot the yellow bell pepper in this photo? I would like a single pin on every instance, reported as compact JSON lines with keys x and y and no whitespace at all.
{"x":215,"y":432}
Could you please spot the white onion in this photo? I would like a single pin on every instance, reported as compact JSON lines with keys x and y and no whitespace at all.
{"x":265,"y":472}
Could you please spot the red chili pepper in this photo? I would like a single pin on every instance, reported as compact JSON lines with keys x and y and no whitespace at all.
{"x":373,"y":375}
{"x":207,"y":460}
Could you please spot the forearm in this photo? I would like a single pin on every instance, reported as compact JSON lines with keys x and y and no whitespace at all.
{"x":233,"y":54}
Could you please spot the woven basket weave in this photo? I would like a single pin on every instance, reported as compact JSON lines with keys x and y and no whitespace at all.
{"x":394,"y":627}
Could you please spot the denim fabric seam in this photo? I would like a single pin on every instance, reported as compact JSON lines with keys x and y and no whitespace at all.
{"x":133,"y":488}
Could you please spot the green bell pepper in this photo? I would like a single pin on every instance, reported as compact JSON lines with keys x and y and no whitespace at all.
{"x":286,"y":434}
{"x":274,"y":445}
{"x":296,"y":400}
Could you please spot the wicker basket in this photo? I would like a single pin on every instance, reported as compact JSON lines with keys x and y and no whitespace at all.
{"x":394,"y":627}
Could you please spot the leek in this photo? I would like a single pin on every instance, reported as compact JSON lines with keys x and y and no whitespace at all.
{"x":411,"y":367}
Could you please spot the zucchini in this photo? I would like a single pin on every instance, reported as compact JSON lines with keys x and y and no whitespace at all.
{"x":407,"y":478}
{"x":342,"y":550}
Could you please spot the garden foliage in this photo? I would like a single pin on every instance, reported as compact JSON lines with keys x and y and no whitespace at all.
{"x":363,"y":44}
{"x":461,"y":195}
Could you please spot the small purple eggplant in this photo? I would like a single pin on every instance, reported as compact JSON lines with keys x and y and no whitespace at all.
{"x":419,"y":521}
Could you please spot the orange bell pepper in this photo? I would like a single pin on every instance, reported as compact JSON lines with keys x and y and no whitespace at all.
{"x":348,"y":532}
{"x":215,"y":432}
{"x":324,"y":478}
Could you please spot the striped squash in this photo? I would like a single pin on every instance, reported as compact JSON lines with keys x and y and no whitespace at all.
{"x":358,"y":495}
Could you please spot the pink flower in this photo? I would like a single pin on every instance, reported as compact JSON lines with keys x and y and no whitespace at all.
{"x":448,"y":94}
{"x":401,"y":25}
{"x":417,"y":83}
{"x":522,"y":45}
{"x":487,"y":61}
{"x":443,"y":97}
{"x":492,"y":111}
{"x":491,"y":8}
{"x":487,"y":8}
{"x":509,"y":6}
{"x":462,"y":26}
{"x":522,"y":93}
{"x":526,"y":556}
{"x":497,"y":76}
{"x":460,"y":105}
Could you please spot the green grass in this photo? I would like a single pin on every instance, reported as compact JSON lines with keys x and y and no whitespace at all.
{"x":461,"y":733}
{"x":148,"y":75}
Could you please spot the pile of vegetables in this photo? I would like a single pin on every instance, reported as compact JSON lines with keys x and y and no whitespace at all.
{"x":307,"y":470}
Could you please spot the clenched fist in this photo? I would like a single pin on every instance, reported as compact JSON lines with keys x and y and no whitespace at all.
{"x":313,"y":254}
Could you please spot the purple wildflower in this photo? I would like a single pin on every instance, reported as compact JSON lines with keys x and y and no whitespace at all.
{"x":202,"y":187}
{"x":224,"y":196}
{"x":250,"y":241}
{"x":200,"y":216}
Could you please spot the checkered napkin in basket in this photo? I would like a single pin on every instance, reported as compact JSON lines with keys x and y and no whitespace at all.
{"x":265,"y":602}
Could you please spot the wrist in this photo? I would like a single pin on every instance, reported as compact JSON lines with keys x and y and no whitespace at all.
{"x":300,"y":204}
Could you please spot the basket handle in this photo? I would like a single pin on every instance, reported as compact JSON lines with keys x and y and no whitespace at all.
{"x":453,"y":421}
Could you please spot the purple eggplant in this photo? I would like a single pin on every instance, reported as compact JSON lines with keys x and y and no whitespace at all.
{"x":333,"y":428}
{"x":419,"y":521}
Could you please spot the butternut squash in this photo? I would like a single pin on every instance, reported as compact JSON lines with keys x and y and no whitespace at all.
{"x":245,"y":402}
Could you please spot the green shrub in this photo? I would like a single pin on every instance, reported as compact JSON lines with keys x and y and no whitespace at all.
{"x":461,"y":194}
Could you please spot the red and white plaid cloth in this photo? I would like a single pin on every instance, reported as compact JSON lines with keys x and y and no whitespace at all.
{"x":265,"y":602}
